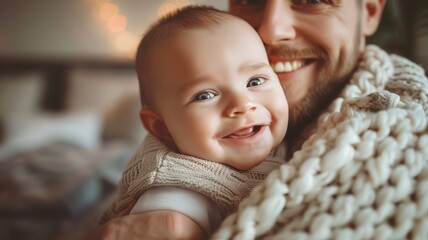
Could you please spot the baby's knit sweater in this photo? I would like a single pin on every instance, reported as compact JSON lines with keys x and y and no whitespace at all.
{"x":155,"y":165}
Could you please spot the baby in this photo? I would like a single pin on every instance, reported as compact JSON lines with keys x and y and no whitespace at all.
{"x":215,"y":110}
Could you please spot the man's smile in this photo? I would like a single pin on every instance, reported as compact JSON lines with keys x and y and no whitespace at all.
{"x":289,"y":65}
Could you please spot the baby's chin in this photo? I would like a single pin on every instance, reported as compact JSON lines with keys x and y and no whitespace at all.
{"x":248,"y":162}
{"x":241,"y":159}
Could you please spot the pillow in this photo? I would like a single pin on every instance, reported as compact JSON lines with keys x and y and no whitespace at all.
{"x":123,"y":121}
{"x":114,"y":94}
{"x":2,"y":132}
{"x":38,"y":130}
{"x":20,"y":94}
{"x":98,"y":90}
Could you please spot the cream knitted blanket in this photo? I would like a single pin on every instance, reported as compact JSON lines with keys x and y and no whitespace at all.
{"x":362,"y":175}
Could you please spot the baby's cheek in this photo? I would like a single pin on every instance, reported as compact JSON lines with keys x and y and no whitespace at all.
{"x":282,"y":122}
{"x":281,"y":113}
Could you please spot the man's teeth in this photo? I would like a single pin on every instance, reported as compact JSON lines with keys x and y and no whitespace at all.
{"x":287,"y":66}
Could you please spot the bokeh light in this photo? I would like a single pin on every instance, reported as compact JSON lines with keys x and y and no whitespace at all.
{"x":117,"y":23}
{"x":108,"y":10}
{"x":166,"y":8}
{"x":108,"y":13}
{"x":126,"y":42}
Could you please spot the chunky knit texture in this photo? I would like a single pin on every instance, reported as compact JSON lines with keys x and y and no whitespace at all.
{"x":155,"y":165}
{"x":363,"y":172}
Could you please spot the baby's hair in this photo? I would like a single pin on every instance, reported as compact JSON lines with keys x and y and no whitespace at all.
{"x":187,"y":18}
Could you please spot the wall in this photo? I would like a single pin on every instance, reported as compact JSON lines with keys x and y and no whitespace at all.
{"x":70,"y":28}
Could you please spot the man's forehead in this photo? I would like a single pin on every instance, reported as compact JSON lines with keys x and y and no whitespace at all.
{"x":261,"y":3}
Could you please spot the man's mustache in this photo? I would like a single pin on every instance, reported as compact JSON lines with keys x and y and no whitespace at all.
{"x":290,"y":52}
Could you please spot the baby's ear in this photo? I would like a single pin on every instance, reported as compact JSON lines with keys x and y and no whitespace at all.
{"x":156,"y":126}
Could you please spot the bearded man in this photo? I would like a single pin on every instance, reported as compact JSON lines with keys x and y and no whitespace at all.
{"x":357,"y":163}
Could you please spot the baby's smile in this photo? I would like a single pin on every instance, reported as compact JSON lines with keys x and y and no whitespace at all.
{"x":245,"y":132}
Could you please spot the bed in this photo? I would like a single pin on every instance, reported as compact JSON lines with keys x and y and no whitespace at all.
{"x":67,"y":129}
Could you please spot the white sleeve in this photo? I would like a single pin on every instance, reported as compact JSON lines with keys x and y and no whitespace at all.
{"x":197,"y":206}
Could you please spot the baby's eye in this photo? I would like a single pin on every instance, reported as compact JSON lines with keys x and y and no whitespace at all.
{"x":255,"y":82}
{"x":203,"y":96}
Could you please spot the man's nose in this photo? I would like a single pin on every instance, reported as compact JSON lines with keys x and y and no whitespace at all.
{"x":278,"y":22}
{"x":240,"y":105}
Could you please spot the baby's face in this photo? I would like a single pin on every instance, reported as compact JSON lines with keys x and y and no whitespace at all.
{"x":218,"y":95}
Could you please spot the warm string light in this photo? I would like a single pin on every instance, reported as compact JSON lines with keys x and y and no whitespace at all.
{"x":115,"y":23}
{"x":166,"y":8}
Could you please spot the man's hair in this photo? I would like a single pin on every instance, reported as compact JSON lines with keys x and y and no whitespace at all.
{"x":187,"y":18}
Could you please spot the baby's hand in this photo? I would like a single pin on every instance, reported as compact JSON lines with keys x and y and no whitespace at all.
{"x":161,"y":224}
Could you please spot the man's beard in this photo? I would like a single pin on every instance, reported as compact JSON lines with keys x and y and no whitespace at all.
{"x":317,"y":99}
{"x":331,"y":79}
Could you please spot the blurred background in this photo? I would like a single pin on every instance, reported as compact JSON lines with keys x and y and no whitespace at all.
{"x":69,"y":103}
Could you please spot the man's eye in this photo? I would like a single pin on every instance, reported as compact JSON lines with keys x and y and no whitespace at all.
{"x":247,"y":9}
{"x":255,"y":82}
{"x":313,"y":1}
{"x":249,"y":2}
{"x":203,"y":96}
